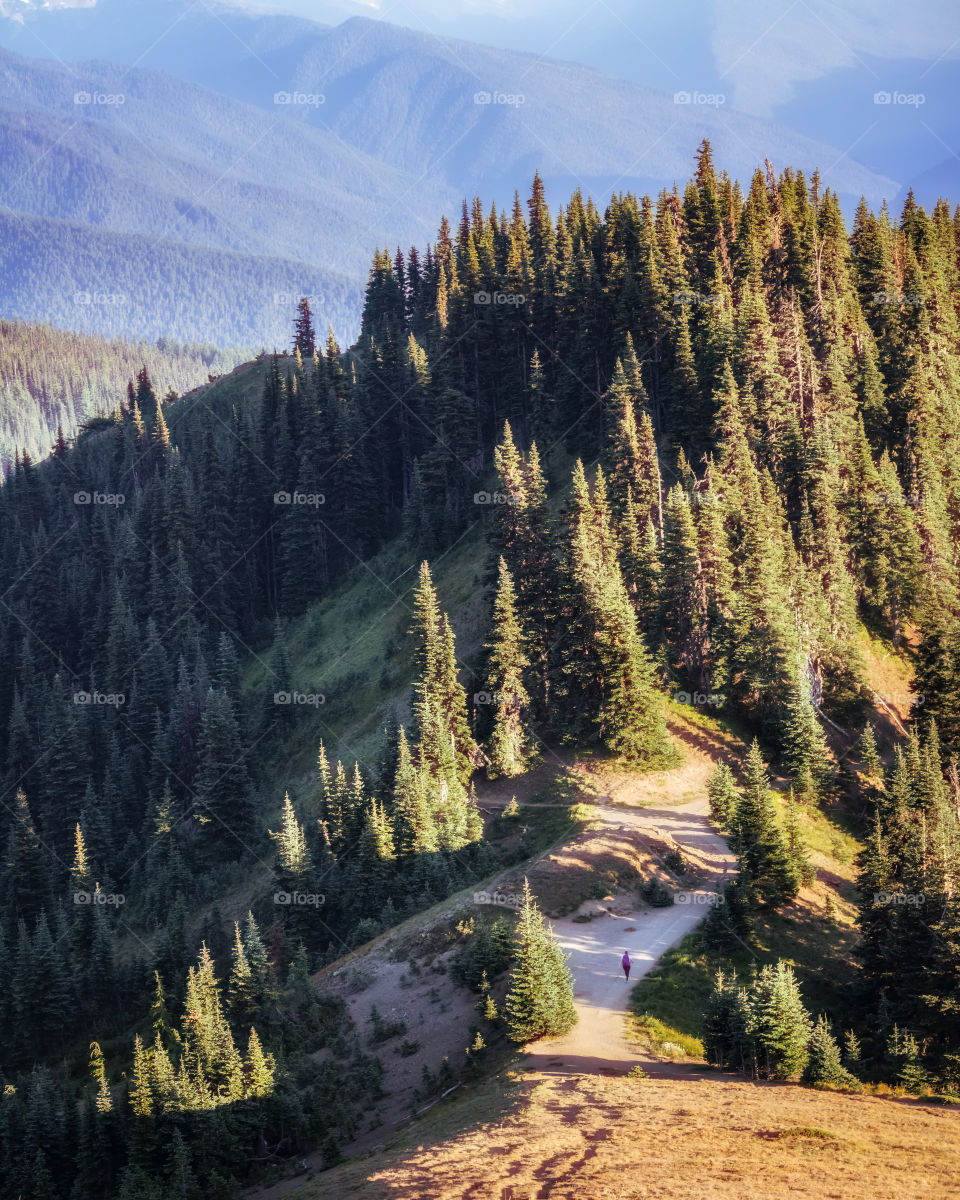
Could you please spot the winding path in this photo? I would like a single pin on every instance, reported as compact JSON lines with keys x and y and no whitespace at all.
{"x":601,"y":993}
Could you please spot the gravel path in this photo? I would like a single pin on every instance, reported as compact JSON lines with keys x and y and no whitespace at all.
{"x":601,"y":993}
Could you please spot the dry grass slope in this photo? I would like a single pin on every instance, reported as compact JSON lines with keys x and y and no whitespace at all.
{"x":713,"y":1138}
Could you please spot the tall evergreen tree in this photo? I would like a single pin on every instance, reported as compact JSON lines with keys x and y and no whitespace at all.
{"x":509,"y":744}
{"x":540,"y":997}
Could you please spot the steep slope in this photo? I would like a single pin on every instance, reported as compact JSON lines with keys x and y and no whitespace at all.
{"x":49,"y":378}
{"x":570,"y":1138}
{"x":577,"y":125}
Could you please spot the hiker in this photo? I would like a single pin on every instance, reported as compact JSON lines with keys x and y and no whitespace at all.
{"x":625,"y":963}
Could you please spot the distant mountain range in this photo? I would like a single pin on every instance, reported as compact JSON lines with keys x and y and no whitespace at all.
{"x":273,"y":154}
{"x":209,"y":216}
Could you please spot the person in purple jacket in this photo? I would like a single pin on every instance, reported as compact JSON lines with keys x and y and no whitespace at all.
{"x":625,"y":963}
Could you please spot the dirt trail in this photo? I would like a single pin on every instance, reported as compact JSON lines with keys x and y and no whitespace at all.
{"x":598,"y":1041}
{"x":668,"y":806}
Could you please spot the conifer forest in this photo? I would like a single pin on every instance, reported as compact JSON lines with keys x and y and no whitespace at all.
{"x":705,"y":446}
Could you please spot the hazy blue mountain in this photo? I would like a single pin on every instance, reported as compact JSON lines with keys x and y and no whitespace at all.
{"x":407,"y":98}
{"x":812,"y":68}
{"x":94,"y":280}
{"x":185,"y":168}
{"x":895,"y":110}
{"x":177,"y":160}
{"x":578,"y":125}
{"x":259,"y":154}
{"x":941,"y":180}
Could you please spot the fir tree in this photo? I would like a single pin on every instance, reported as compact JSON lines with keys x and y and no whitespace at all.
{"x":805,"y":748}
{"x":764,"y":862}
{"x":540,"y":998}
{"x":224,"y":802}
{"x":304,"y":337}
{"x":781,"y":1024}
{"x":824,"y":1066}
{"x":723,"y":795}
{"x":796,"y":845}
{"x":98,"y":1071}
{"x":509,"y":745}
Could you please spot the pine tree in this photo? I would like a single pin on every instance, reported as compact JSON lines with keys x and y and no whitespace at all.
{"x":852,"y":1056}
{"x":258,"y":1069}
{"x":729,"y":1026}
{"x":140,"y":1091}
{"x":98,"y":1071}
{"x":805,"y":749}
{"x":241,"y":998}
{"x":446,"y":751}
{"x":304,"y":337}
{"x":782,"y":1026}
{"x":416,"y":831}
{"x":441,"y":700}
{"x":796,"y":845}
{"x":723,"y":795}
{"x":509,"y":745}
{"x":224,"y":803}
{"x":824,"y":1067}
{"x":683,"y":593}
{"x":540,"y":999}
{"x":606,"y":682}
{"x":871,"y":764}
{"x":293,"y":865}
{"x":763,"y":859}
{"x":903,"y":1061}
{"x":159,"y":1016}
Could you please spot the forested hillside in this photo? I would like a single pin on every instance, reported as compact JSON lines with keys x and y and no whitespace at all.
{"x":161,"y":203}
{"x":144,"y":287}
{"x":708,"y":438}
{"x":52,"y":378}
